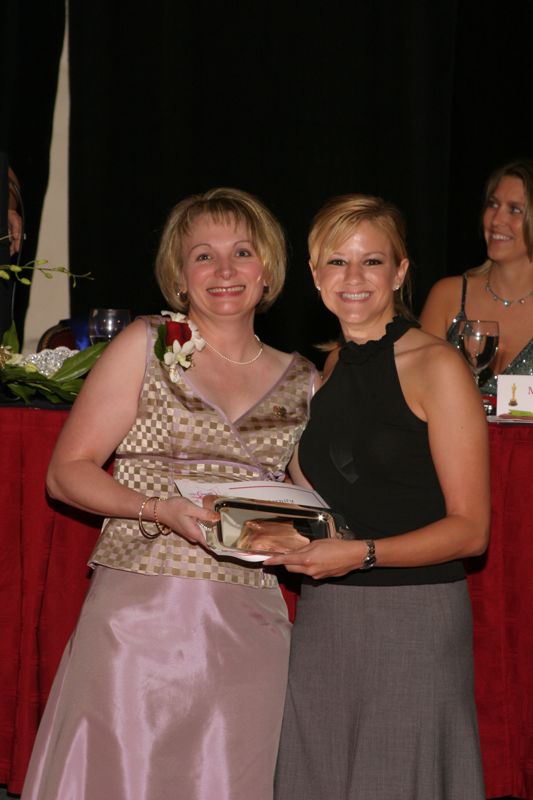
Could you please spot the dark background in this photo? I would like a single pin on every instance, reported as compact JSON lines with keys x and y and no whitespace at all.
{"x":414,"y":100}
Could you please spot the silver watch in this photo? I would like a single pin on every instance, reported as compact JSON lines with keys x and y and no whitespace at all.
{"x":370,"y":559}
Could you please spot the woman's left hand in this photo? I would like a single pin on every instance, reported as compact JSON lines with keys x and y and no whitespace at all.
{"x":326,"y":558}
{"x":14,"y":226}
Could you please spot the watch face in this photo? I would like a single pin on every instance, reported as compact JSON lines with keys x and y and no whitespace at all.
{"x":368,"y":562}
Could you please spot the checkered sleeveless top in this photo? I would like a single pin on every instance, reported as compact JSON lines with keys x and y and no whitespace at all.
{"x":179,"y":434}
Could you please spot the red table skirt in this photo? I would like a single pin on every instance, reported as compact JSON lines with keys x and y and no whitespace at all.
{"x":501,"y":589}
{"x":44,"y":549}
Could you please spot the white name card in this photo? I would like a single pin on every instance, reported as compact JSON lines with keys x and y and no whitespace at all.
{"x":515,"y":396}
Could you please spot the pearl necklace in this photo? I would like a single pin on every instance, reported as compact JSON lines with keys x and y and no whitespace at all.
{"x":231,"y":360}
{"x":506,"y":303}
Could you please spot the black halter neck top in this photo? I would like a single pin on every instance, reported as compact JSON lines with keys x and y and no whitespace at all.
{"x":368,"y":455}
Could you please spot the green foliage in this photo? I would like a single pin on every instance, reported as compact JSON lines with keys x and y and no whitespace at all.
{"x":62,"y":387}
{"x":13,"y":271}
{"x":160,"y":346}
{"x":24,"y":381}
{"x":11,"y":339}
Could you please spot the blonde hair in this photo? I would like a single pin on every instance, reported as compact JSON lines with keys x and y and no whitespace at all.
{"x":227,"y":205}
{"x":337,"y":219}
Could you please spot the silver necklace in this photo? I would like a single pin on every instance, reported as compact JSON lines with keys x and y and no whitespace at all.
{"x":231,"y":360}
{"x":506,"y":303}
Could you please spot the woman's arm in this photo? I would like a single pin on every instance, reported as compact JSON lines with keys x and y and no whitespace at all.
{"x":293,"y":468}
{"x":295,"y":471}
{"x":14,"y":221}
{"x":458,"y":437}
{"x":100,"y":418}
{"x":441,"y":306}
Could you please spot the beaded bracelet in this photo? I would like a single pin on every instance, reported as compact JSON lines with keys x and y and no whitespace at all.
{"x":142,"y":529}
{"x":163,"y":529}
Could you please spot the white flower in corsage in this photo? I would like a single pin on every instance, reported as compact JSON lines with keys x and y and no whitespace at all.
{"x":177,"y":340}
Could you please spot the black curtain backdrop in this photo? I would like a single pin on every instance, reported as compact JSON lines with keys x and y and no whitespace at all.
{"x":294,"y":102}
{"x":31,"y":43}
{"x":492,"y":114}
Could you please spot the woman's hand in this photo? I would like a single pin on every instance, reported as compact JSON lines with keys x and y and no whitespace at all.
{"x":14,"y":226}
{"x":183,"y":517}
{"x":327,"y":558}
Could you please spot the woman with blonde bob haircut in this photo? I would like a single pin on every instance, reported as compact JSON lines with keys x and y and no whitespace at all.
{"x":222,"y":205}
{"x":173,"y":683}
{"x":380,"y":698}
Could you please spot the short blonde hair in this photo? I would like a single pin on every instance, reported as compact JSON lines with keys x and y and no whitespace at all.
{"x":338,"y":218}
{"x":221,"y":204}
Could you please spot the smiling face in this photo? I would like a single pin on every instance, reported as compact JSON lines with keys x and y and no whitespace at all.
{"x":222,"y":272}
{"x":503,"y":221}
{"x":357,"y":278}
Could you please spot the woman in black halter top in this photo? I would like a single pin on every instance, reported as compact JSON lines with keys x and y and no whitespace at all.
{"x":380,"y":702}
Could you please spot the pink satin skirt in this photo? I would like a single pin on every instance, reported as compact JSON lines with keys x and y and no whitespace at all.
{"x":169,"y":689}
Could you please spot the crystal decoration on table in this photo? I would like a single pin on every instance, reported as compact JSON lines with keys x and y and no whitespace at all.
{"x":47,"y":362}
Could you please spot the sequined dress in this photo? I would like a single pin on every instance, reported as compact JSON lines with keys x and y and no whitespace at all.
{"x":173,"y":682}
{"x":522,"y":364}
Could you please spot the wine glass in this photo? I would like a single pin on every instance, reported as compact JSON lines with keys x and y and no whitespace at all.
{"x":478,"y":342}
{"x":104,"y":323}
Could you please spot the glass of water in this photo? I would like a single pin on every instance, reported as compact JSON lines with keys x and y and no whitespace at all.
{"x":104,"y":323}
{"x":478,"y":342}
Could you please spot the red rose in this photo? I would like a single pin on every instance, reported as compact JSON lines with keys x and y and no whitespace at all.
{"x":179,"y":331}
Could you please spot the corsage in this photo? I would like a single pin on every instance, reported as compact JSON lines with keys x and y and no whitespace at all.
{"x":177,"y":340}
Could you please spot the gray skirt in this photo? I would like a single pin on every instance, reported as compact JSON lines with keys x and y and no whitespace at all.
{"x":380,"y":701}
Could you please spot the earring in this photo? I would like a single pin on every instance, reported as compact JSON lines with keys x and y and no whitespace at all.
{"x":396,"y":287}
{"x":266,"y":289}
{"x":317,"y":287}
{"x":183,"y":297}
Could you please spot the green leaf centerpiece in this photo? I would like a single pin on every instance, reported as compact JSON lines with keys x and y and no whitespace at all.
{"x":23,"y":381}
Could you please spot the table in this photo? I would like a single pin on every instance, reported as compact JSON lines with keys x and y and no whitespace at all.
{"x":44,"y":548}
{"x":501,"y":589}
